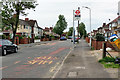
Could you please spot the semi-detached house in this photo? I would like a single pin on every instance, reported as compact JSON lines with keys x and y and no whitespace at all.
{"x":29,"y":28}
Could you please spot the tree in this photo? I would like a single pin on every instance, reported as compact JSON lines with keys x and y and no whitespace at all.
{"x":61,"y":25}
{"x":70,"y":32}
{"x":11,"y":12}
{"x":81,"y":29}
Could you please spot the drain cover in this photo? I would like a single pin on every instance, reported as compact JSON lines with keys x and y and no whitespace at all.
{"x":72,"y":74}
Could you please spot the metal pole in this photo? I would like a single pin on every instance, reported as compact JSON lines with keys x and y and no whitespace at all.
{"x":90,"y":29}
{"x":78,"y":23}
{"x":78,"y":28}
{"x":73,"y":29}
{"x":104,"y":50}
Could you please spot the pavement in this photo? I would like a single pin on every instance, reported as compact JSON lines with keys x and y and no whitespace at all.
{"x":80,"y":64}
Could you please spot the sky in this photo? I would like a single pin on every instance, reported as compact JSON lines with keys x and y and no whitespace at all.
{"x":47,"y":12}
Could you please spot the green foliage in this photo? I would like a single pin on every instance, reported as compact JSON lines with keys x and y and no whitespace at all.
{"x":42,"y":37}
{"x":100,"y":37}
{"x":92,"y":48}
{"x":108,"y":62}
{"x":29,"y":37}
{"x":81,"y":29}
{"x":107,"y":59}
{"x":53,"y":37}
{"x":36,"y":37}
{"x":20,"y":37}
{"x":11,"y":11}
{"x":3,"y":36}
{"x":111,"y":65}
{"x":61,"y":25}
{"x":70,"y":32}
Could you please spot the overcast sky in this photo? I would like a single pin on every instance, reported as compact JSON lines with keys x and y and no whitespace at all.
{"x":47,"y":12}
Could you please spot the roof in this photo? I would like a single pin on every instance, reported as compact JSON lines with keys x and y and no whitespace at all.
{"x":99,"y":28}
{"x":95,"y":30}
{"x":5,"y":31}
{"x":115,"y":20}
{"x":47,"y":29}
{"x":28,"y":23}
{"x":104,"y":24}
{"x":23,"y":22}
{"x":40,"y":28}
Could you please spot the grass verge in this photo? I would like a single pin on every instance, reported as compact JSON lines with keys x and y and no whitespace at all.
{"x":108,"y":62}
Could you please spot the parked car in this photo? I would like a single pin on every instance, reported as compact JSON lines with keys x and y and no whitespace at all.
{"x":63,"y":38}
{"x":7,"y":46}
{"x":76,"y":39}
{"x":69,"y":37}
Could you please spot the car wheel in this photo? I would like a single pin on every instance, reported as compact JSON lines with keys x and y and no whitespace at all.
{"x":16,"y":50}
{"x":4,"y":52}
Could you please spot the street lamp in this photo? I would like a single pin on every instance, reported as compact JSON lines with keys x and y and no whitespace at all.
{"x":90,"y":22}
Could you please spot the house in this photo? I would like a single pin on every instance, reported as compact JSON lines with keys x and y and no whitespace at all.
{"x":29,"y":28}
{"x":115,"y":26}
{"x":100,"y":30}
{"x":95,"y":32}
{"x":40,"y":32}
{"x":24,"y":28}
{"x":49,"y":31}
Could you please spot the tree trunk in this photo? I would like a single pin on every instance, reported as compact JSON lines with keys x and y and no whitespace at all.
{"x":13,"y":39}
{"x":16,"y":24}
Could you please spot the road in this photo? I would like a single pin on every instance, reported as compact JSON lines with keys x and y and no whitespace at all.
{"x":40,"y":61}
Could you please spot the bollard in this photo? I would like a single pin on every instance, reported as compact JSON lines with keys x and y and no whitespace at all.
{"x":104,"y":49}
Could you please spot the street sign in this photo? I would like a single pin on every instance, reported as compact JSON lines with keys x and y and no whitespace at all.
{"x":77,"y":15}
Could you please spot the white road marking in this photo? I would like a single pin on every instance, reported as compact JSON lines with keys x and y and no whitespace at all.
{"x":61,"y":64}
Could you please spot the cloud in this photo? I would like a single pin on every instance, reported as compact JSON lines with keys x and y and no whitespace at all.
{"x":47,"y":12}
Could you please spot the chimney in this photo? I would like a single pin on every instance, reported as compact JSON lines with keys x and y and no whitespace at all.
{"x":26,"y":19}
{"x":104,"y":24}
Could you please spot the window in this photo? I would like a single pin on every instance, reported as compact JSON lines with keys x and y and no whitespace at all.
{"x":5,"y":42}
{"x":30,"y":28}
{"x":24,"y":26}
{"x":21,"y":26}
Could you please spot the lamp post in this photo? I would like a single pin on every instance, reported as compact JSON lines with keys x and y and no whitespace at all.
{"x":90,"y":22}
{"x":73,"y":29}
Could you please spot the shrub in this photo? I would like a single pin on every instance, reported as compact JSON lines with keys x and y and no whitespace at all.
{"x":99,"y":37}
{"x":108,"y":62}
{"x":42,"y":37}
{"x":107,"y":59}
{"x":36,"y":37}
{"x":3,"y":36}
{"x":20,"y":37}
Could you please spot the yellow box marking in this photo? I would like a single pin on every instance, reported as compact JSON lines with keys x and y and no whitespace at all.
{"x":49,"y":58}
{"x":50,"y":62}
{"x":44,"y":57}
{"x":40,"y":62}
{"x":38,"y":57}
{"x":34,"y":62}
{"x":44,"y":62}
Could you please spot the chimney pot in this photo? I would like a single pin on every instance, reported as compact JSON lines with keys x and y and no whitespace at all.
{"x":26,"y":19}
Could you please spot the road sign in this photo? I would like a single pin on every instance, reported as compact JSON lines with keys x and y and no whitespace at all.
{"x":77,"y":15}
{"x":77,"y":12}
